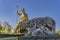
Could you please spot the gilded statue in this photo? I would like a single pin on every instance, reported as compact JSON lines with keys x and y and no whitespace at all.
{"x":23,"y":18}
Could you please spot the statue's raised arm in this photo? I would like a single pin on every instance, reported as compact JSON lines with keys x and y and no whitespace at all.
{"x":23,"y":15}
{"x":18,"y":12}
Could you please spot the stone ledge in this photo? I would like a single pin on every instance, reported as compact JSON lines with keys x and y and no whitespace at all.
{"x":19,"y":37}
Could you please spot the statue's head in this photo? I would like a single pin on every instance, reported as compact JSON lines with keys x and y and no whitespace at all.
{"x":23,"y":10}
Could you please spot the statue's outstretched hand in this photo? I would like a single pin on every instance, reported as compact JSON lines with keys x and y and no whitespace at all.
{"x":18,"y":12}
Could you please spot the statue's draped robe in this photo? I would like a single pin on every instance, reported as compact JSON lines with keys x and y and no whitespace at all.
{"x":24,"y":18}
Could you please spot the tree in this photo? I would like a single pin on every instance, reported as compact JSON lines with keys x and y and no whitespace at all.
{"x":7,"y":28}
{"x":58,"y":32}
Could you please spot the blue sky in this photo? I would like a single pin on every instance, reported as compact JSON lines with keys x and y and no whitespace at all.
{"x":34,"y":8}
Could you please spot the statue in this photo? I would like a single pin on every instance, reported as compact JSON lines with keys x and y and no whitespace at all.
{"x":24,"y":18}
{"x":35,"y":26}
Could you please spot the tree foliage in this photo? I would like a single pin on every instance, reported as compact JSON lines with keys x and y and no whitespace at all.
{"x":6,"y":28}
{"x":58,"y":32}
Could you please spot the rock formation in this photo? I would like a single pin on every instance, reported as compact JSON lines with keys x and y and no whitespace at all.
{"x":41,"y":25}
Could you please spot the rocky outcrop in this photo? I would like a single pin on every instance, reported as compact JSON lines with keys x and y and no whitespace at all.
{"x":40,"y":26}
